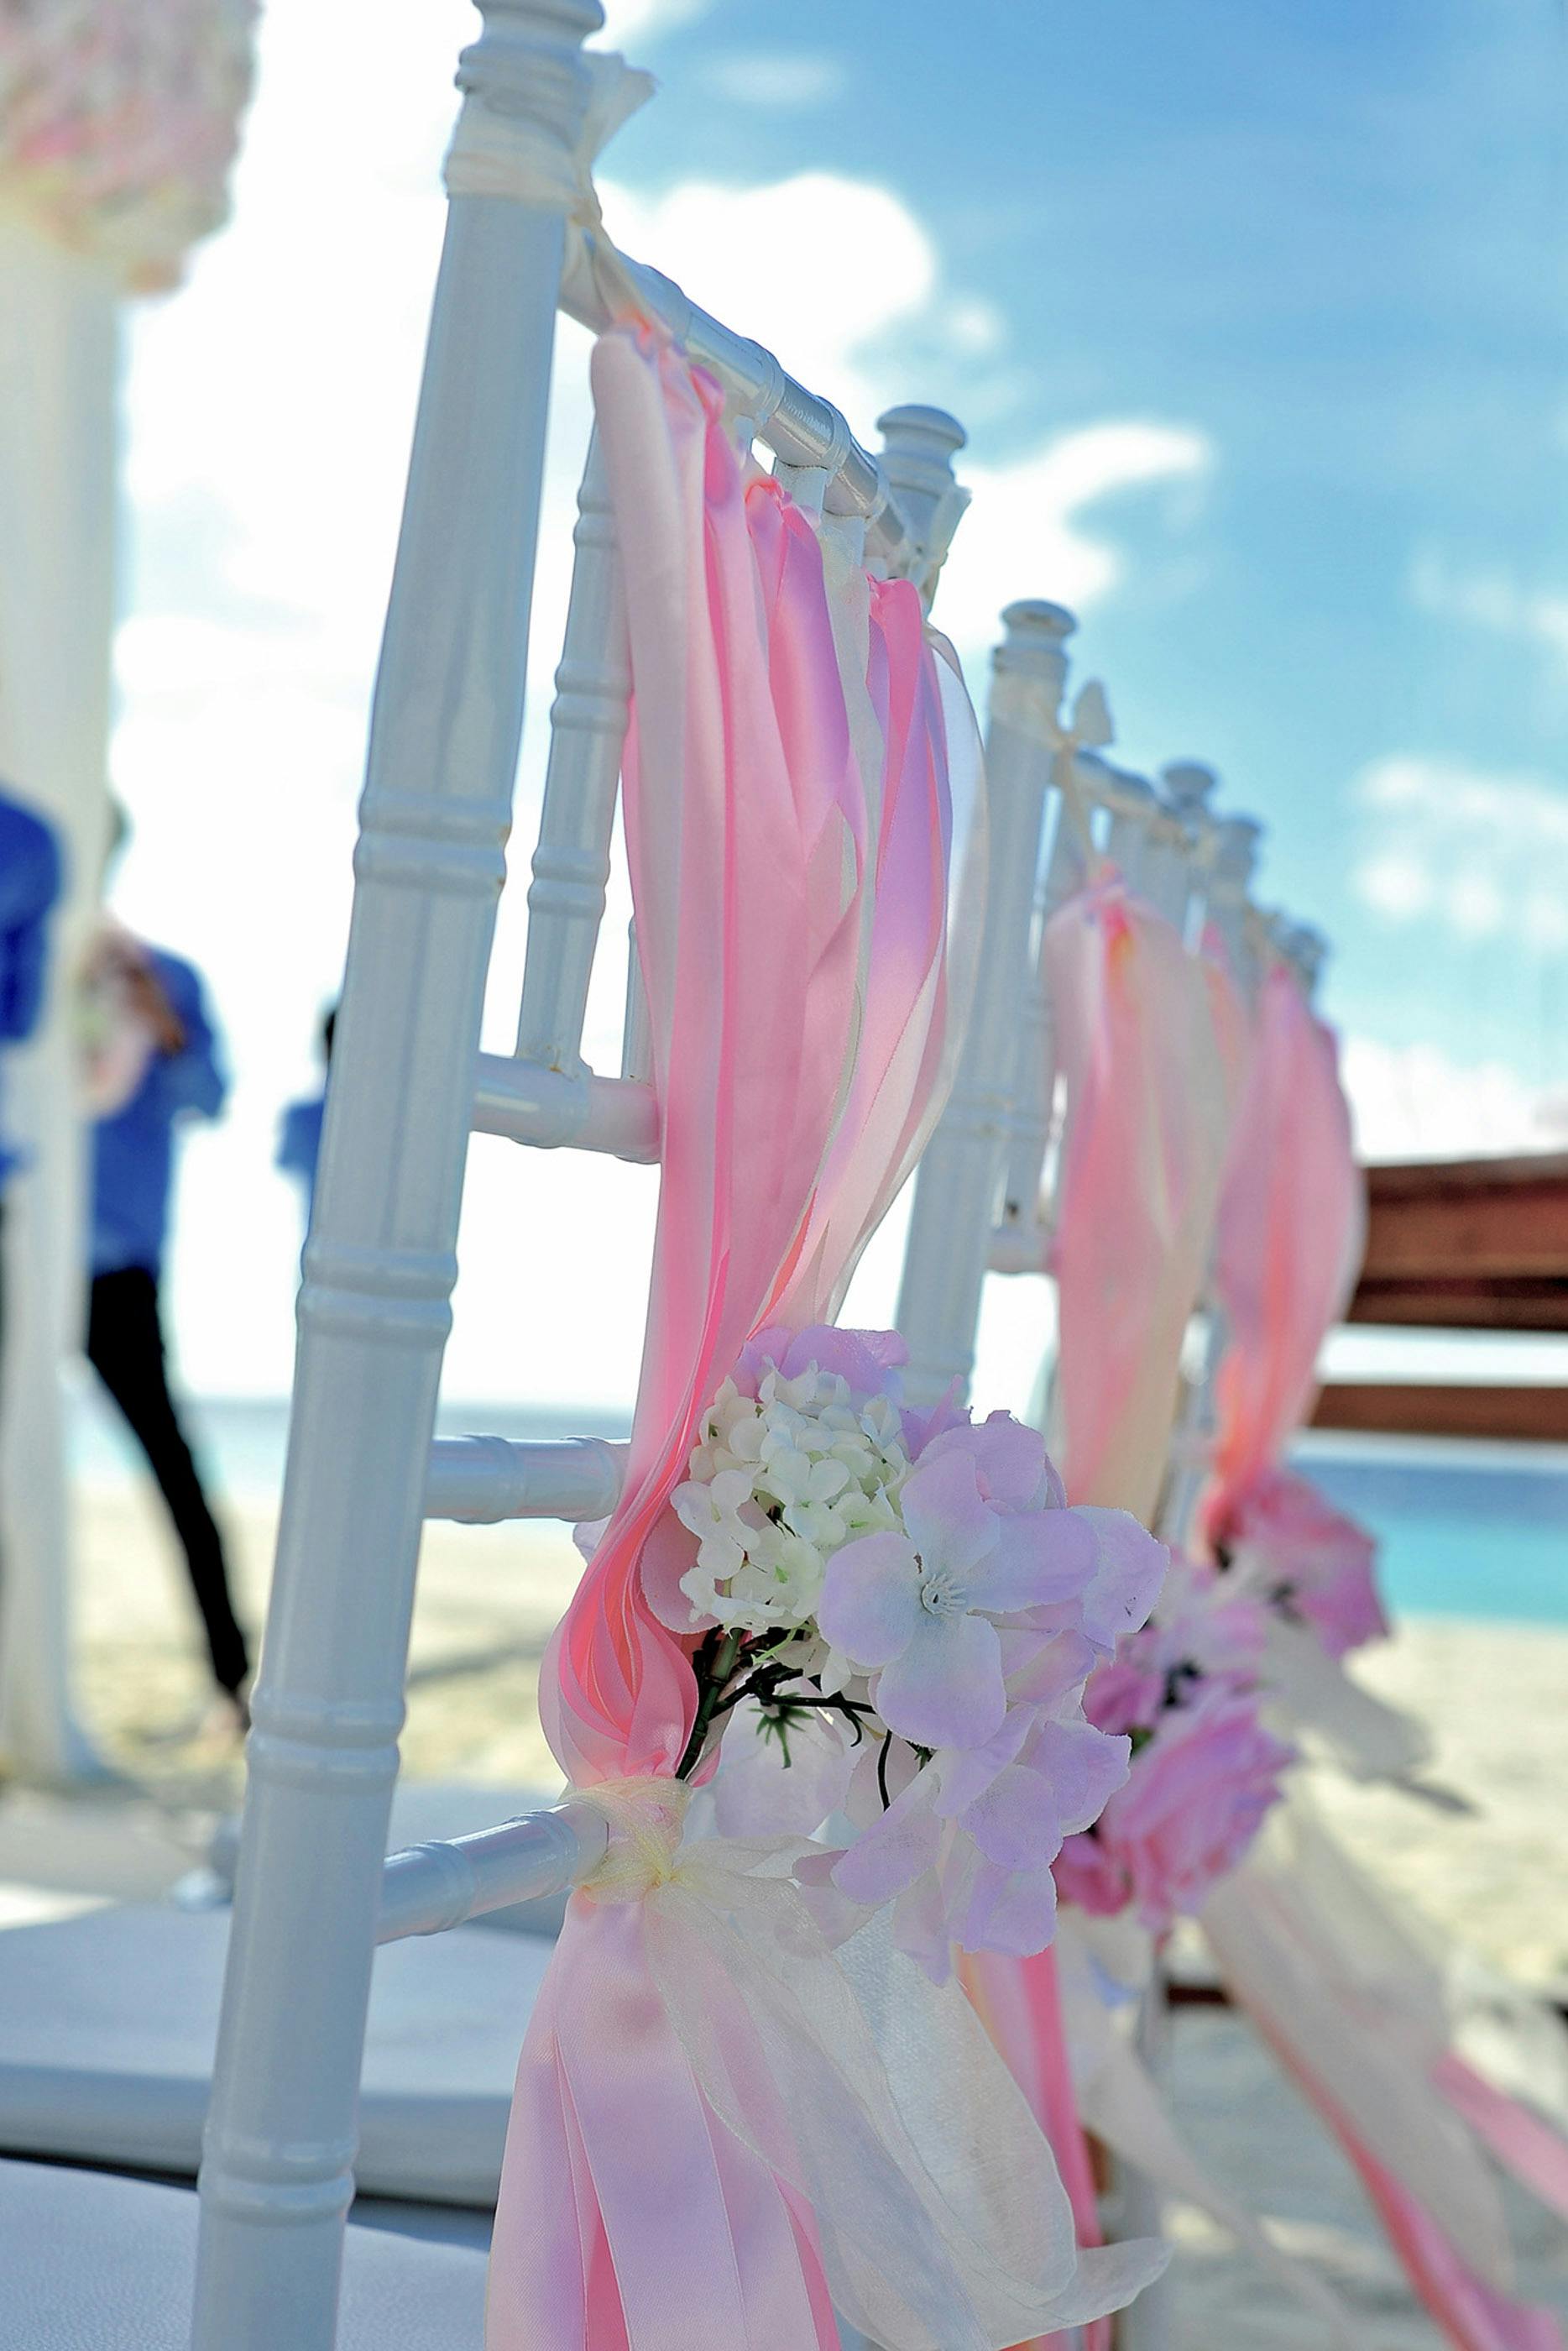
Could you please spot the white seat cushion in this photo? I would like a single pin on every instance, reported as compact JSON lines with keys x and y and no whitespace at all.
{"x":108,"y":2025}
{"x":93,"y":2262}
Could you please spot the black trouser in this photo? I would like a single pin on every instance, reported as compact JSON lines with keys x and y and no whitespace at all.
{"x":125,"y":1347}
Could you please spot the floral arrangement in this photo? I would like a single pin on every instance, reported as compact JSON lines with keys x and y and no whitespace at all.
{"x":1280,"y":1538}
{"x":895,"y":1615}
{"x":118,"y":121}
{"x":1184,"y":1691}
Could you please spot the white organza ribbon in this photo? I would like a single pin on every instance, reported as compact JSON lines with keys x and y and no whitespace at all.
{"x":493,"y":154}
{"x":1370,"y":1739}
{"x":1024,"y":703}
{"x":1322,"y":1968}
{"x":1122,"y":2106}
{"x":876,"y":2095}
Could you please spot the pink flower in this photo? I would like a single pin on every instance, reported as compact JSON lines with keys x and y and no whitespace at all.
{"x":1194,"y":1800}
{"x":866,"y":1360}
{"x":964,"y":1851}
{"x":1306,"y":1557}
{"x":1010,"y":1464}
{"x":914,"y":1608}
{"x":1131,"y":1570}
{"x":1128,"y":1693}
{"x":1124,"y":1566}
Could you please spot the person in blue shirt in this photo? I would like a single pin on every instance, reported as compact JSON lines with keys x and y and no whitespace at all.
{"x":299,"y":1133}
{"x":29,"y":885}
{"x":177,"y":1077}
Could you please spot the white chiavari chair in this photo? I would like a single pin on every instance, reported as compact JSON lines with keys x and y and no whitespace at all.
{"x":1231,"y":845}
{"x":982,"y":1193}
{"x":315,"y":1892}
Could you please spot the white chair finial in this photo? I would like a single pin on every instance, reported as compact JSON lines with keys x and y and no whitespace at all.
{"x":918,"y":446}
{"x":1236,"y":844}
{"x":1190,"y":786}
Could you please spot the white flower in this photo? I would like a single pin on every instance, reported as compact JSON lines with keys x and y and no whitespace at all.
{"x":778,"y":1485}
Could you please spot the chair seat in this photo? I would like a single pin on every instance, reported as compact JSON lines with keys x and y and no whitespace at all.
{"x":95,"y":2263}
{"x":108,"y":2025}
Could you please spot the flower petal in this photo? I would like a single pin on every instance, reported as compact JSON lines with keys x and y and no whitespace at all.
{"x":947,"y":1521}
{"x":1127,"y":1582}
{"x":1013,"y":1911}
{"x":1008,"y":1455}
{"x":768,"y":1785}
{"x":945,"y":1688}
{"x":870,"y":1603}
{"x":1038,"y":1557}
{"x":895,"y":1850}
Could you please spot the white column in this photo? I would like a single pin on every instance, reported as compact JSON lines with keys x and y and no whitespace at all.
{"x":1189,"y":788}
{"x":957,"y":1185}
{"x":1134,"y":808}
{"x":277,"y":2177}
{"x":918,"y":446}
{"x":587,"y":729}
{"x":1236,"y":840}
{"x":1233,"y":856}
{"x":59,"y":355}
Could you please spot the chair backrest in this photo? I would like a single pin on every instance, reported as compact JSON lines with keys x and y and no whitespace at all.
{"x":979,"y":1192}
{"x":408,"y":1087}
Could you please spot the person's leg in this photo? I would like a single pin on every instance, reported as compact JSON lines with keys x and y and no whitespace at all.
{"x":125,"y":1347}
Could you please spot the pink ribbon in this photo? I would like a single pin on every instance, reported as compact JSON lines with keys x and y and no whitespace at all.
{"x":1292,"y":1225}
{"x":1290,"y":1231}
{"x":1145,"y":1132}
{"x":1019,"y":2003}
{"x":792,"y":1055}
{"x":1473,"y":2315}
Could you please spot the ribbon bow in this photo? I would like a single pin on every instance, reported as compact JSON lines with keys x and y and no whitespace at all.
{"x":498,"y":154}
{"x":1026,"y":703}
{"x":872,"y":2096}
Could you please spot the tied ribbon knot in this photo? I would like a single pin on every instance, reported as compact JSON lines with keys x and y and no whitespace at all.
{"x":495,"y":152}
{"x":647,"y":1819}
{"x":864,"y":2095}
{"x":1026,"y":704}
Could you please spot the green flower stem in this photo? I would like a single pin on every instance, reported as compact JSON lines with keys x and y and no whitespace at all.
{"x":710,"y":1691}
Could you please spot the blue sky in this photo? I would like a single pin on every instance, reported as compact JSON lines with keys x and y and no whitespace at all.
{"x":1256,"y":315}
{"x":1330,"y":240}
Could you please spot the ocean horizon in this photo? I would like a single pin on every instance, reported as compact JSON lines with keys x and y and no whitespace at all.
{"x":1476,"y":1530}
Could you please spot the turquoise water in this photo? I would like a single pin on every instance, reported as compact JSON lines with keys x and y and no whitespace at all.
{"x":1477,"y":1530}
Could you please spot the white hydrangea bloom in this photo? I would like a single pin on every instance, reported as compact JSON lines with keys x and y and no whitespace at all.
{"x":778,"y":1485}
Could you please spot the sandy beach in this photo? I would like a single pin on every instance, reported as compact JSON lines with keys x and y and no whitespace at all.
{"x":1492,"y":1696}
{"x":488,"y":1598}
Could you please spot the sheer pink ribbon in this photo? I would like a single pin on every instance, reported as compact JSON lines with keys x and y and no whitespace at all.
{"x":1134,"y":1037}
{"x":1292,"y":1223}
{"x":1387,"y":2114}
{"x":1019,"y":2003}
{"x":1150,"y":1059}
{"x":1145,"y":1134}
{"x":787,"y":1065}
{"x":1290,"y":1231}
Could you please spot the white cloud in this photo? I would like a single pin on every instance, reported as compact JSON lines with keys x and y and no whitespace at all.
{"x":1395,"y":884}
{"x":820,"y":267}
{"x":1475,"y":850}
{"x":1026,"y":534}
{"x":787,"y":80}
{"x":269,"y":407}
{"x":975,"y":326}
{"x":1492,"y":601}
{"x":851,"y":273}
{"x":1414,"y":1102}
{"x":633,"y":21}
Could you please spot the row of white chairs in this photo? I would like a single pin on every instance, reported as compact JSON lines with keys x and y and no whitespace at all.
{"x":107,"y":2056}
